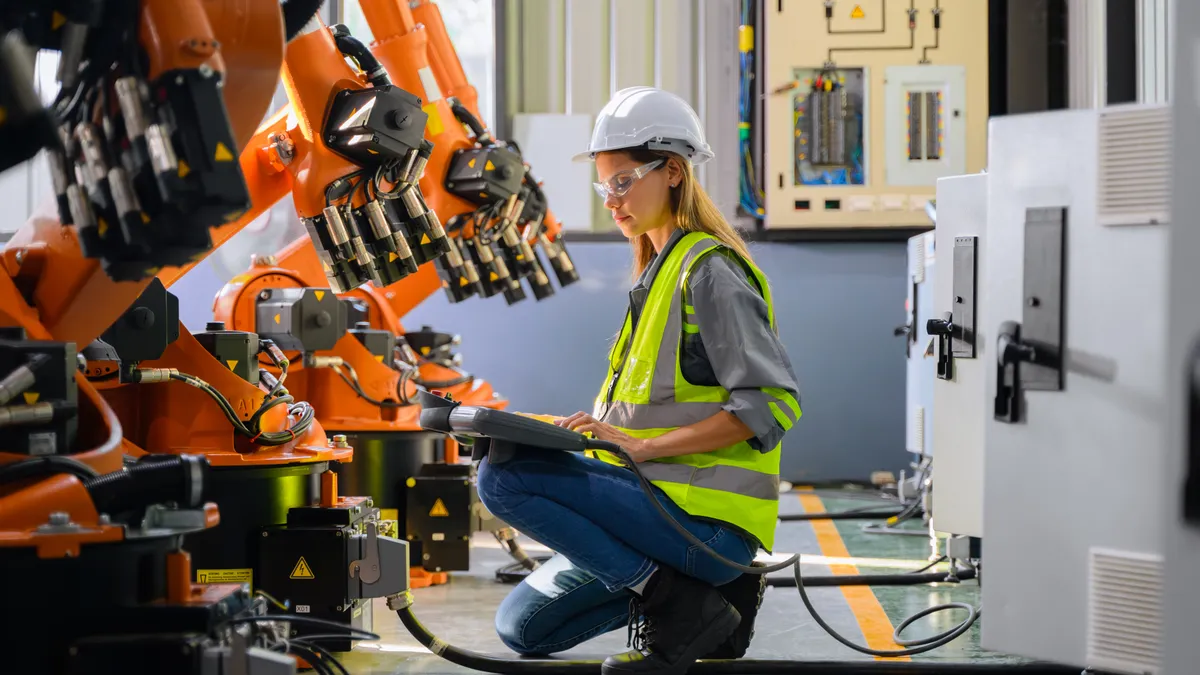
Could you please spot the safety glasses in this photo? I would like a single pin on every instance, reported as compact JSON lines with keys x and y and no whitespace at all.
{"x":620,"y":183}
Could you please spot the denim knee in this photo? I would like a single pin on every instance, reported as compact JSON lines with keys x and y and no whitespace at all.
{"x":487,"y":479}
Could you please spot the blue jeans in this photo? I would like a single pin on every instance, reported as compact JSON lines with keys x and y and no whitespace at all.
{"x":609,"y":537}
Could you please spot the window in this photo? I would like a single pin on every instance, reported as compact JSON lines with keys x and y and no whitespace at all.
{"x":471,"y":27}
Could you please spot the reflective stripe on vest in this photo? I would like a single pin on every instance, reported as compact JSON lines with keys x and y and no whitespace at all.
{"x":646,"y":395}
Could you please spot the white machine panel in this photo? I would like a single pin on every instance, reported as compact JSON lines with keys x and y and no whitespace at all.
{"x":960,"y":392}
{"x":1072,"y":506}
{"x":919,"y":373}
{"x":926,"y":128}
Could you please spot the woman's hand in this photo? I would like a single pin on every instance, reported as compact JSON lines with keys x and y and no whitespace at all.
{"x":638,"y":449}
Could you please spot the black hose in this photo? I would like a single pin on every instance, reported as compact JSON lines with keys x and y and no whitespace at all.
{"x":297,"y":14}
{"x":460,"y":111}
{"x":904,"y":579}
{"x":856,"y":514}
{"x":354,"y":48}
{"x":40,"y":467}
{"x":492,"y":664}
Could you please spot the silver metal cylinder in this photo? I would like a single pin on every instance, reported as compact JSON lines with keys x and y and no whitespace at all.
{"x":379,"y":223}
{"x":132,"y":112}
{"x":162,"y":153}
{"x":92,"y":157}
{"x":417,"y":169}
{"x":337,"y":226}
{"x":454,"y":257}
{"x":412,"y":202}
{"x":122,"y":191}
{"x":402,"y":248}
{"x":483,"y":251}
{"x":81,"y":209}
{"x":365,"y":260}
{"x":15,"y":383}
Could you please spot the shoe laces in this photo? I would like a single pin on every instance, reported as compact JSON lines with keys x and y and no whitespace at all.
{"x":641,"y":629}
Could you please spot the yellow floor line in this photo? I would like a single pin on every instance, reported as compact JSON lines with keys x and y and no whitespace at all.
{"x":876,"y":627}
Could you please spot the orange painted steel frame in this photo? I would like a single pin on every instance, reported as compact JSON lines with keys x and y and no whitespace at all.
{"x":70,"y":299}
{"x":449,"y":73}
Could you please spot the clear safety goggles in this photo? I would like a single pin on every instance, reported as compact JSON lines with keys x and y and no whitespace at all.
{"x":620,"y":183}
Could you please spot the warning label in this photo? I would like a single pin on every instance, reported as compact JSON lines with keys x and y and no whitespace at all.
{"x":439,"y":509}
{"x":302,"y":570}
{"x":231,"y":576}
{"x":858,"y":13}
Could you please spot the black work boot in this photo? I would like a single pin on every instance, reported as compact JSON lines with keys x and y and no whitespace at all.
{"x":683,"y":619}
{"x":746,"y":595}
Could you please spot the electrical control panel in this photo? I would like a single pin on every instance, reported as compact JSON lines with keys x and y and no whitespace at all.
{"x":867,"y":105}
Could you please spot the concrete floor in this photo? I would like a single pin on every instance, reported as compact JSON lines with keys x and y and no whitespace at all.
{"x":462,"y":611}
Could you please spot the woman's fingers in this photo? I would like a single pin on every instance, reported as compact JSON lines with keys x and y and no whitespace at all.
{"x":574,"y":421}
{"x":565,"y":421}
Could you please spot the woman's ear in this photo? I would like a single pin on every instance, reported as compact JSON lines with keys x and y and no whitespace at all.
{"x":674,"y":172}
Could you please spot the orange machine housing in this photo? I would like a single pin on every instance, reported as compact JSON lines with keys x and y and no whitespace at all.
{"x":55,"y":293}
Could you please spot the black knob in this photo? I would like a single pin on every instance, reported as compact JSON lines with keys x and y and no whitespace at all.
{"x":362,"y":325}
{"x":214,"y":325}
{"x":141,"y":318}
{"x":323,"y":319}
{"x":941,"y":326}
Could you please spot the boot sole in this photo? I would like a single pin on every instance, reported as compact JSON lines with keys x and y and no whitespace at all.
{"x":715,"y":634}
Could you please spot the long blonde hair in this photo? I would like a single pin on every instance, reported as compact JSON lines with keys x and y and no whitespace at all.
{"x":692,"y":208}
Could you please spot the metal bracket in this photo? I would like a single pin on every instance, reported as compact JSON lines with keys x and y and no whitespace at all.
{"x":942,"y":329}
{"x":1029,"y":355}
{"x":367,"y":569}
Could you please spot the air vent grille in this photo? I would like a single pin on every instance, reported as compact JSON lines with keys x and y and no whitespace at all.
{"x":1134,"y":173}
{"x":918,"y":429}
{"x":1125,"y":612}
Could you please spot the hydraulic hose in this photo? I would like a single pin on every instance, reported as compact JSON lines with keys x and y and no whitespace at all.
{"x":154,"y":479}
{"x":402,"y":605}
{"x":875,"y":579}
{"x":351,"y":46}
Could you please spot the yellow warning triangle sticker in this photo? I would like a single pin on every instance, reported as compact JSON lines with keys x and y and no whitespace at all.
{"x":439,"y":509}
{"x":471,"y":163}
{"x":276,"y":318}
{"x":392,"y":256}
{"x":57,"y":20}
{"x":183,"y":169}
{"x":489,"y":166}
{"x":145,"y":218}
{"x":379,"y":358}
{"x":232,"y":364}
{"x":103,"y":227}
{"x":31,"y":397}
{"x":319,"y":294}
{"x":493,"y":276}
{"x":302,"y":570}
{"x":462,"y":281}
{"x":425,"y":238}
{"x":858,"y":13}
{"x":222,"y":153}
{"x":424,"y":350}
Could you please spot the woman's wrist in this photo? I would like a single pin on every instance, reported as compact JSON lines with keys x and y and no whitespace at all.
{"x":646,"y":448}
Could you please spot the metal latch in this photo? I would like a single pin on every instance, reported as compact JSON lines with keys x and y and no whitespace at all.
{"x":367,"y":569}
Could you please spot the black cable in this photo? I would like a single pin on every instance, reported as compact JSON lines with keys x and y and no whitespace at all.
{"x":902,"y":579}
{"x":492,"y":664}
{"x":865,"y":513}
{"x":40,"y":467}
{"x":464,"y":116}
{"x":353,"y":382}
{"x":349,"y":631}
{"x":327,"y":659}
{"x":311,"y":657}
{"x":351,"y":46}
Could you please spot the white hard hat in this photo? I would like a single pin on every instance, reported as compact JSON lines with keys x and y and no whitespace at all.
{"x":651,"y":118}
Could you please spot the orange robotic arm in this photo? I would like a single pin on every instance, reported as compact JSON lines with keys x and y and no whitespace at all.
{"x":537,"y":222}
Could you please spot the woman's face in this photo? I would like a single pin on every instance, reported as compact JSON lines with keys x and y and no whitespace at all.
{"x":645,"y":204}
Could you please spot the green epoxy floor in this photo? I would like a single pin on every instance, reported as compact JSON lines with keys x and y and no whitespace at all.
{"x":462,"y":612}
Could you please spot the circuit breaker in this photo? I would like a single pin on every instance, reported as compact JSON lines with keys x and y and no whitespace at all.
{"x":868,"y":104}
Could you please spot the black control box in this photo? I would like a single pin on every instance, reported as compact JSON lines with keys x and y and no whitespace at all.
{"x":300,"y":319}
{"x":438,"y":517}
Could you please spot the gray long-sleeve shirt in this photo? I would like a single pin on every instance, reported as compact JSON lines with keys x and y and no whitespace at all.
{"x":735,"y":347}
